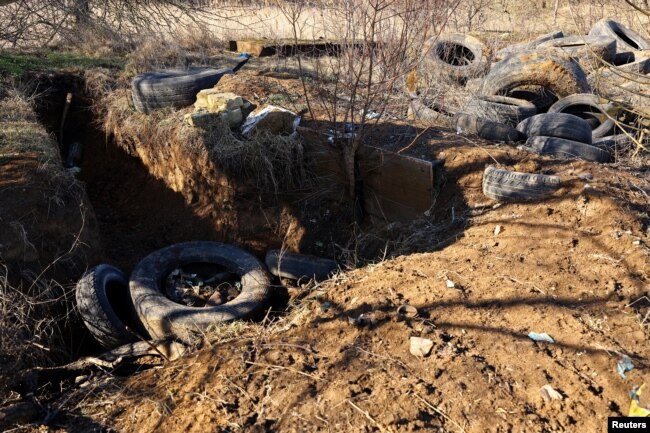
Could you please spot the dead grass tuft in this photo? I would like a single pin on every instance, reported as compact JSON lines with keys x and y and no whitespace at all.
{"x":275,"y":163}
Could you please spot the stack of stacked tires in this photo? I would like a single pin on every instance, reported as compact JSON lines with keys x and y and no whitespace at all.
{"x":544,"y":94}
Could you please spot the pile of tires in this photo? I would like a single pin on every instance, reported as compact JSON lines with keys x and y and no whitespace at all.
{"x":565,"y":96}
{"x":119,"y":310}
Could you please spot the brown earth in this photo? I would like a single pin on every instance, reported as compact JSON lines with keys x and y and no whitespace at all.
{"x":574,"y":266}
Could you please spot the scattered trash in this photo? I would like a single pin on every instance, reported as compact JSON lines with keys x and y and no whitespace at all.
{"x":277,"y":120}
{"x":407,"y":311}
{"x":635,"y":409}
{"x":357,"y":321}
{"x":497,"y":230}
{"x":450,"y":284}
{"x":543,"y":337}
{"x":372,"y":114}
{"x":548,"y":393}
{"x":624,"y":365}
{"x":420,"y":346}
{"x":585,"y":176}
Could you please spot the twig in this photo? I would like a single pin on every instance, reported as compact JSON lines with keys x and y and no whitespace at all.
{"x":439,"y":412}
{"x":367,"y":415}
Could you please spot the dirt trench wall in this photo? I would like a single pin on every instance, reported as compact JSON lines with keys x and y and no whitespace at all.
{"x":47,"y":225}
{"x":183,"y":158}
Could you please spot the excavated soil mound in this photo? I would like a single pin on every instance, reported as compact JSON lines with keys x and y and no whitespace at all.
{"x":574,"y":266}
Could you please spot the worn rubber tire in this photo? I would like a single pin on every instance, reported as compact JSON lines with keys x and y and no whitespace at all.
{"x":299,"y":266}
{"x":581,"y":48}
{"x":626,"y":39}
{"x":501,"y":109}
{"x":587,"y":106}
{"x":612,"y":142}
{"x":505,"y":185}
{"x":486,"y":129}
{"x":559,"y":125}
{"x":428,"y":112}
{"x":539,"y":96}
{"x":93,"y":292}
{"x":567,"y":149}
{"x":528,"y":45}
{"x":175,"y":88}
{"x":549,"y":69}
{"x":162,"y":317}
{"x":458,"y":56}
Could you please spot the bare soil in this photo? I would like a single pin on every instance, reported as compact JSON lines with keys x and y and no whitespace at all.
{"x":574,"y":266}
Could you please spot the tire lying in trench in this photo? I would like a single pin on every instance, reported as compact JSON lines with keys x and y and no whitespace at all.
{"x":487,"y":129}
{"x":561,"y":125}
{"x":175,"y":88}
{"x":458,"y":56}
{"x":567,"y":149}
{"x":548,"y":69}
{"x":163,"y":318}
{"x":626,"y":39}
{"x":505,"y":185}
{"x":105,"y":307}
{"x":299,"y":266}
{"x":502,"y":109}
{"x":588,"y":107}
{"x":585,"y":49}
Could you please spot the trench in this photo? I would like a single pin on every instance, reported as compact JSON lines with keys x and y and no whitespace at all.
{"x":135,"y":212}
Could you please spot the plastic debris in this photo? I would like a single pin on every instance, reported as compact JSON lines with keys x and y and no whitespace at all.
{"x":548,"y":393}
{"x":407,"y":311}
{"x":420,"y":346}
{"x":274,"y":119}
{"x":497,"y":230}
{"x":450,"y":284}
{"x":543,"y":337}
{"x":372,"y":114}
{"x":635,"y":408}
{"x":624,"y":365}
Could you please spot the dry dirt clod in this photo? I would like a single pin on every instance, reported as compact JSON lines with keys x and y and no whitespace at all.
{"x":420,"y":347}
{"x":548,"y":393}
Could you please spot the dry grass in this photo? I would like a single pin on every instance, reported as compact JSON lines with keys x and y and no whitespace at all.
{"x":275,"y":163}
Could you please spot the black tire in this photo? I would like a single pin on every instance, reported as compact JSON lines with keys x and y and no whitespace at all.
{"x":502,"y":109}
{"x":299,"y":266}
{"x":505,"y":185}
{"x":175,"y":88}
{"x":585,"y":47}
{"x":162,"y":317}
{"x":458,"y":56}
{"x":428,"y":112}
{"x":588,"y":107}
{"x":528,"y":45}
{"x":567,"y":149}
{"x":105,"y":306}
{"x":559,"y":125}
{"x":626,"y":39}
{"x":549,"y":69}
{"x":539,"y":96}
{"x":612,"y":143}
{"x":489,"y":130}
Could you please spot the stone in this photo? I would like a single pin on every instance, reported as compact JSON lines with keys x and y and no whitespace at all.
{"x":274,"y":119}
{"x":420,"y":347}
{"x":216,"y":101}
